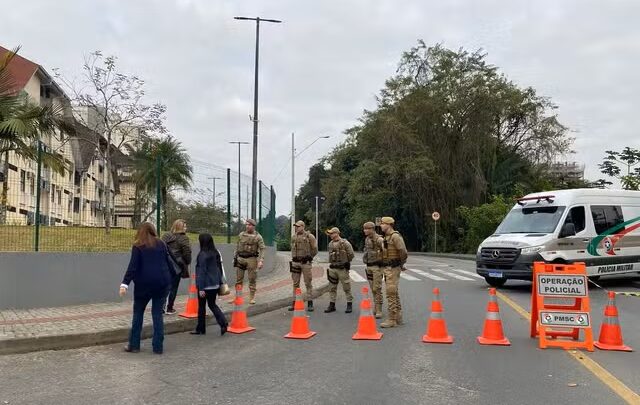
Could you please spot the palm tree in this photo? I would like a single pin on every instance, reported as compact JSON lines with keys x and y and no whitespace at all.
{"x":22,"y":123}
{"x":175,"y":168}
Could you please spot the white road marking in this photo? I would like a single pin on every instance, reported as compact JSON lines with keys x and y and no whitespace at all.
{"x":428,"y":275}
{"x":357,"y":278}
{"x":469,"y":273}
{"x":457,"y":277}
{"x":408,"y":277}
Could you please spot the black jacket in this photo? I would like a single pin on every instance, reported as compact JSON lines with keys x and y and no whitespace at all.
{"x":149,"y":270}
{"x":180,"y":246}
{"x":208,"y":270}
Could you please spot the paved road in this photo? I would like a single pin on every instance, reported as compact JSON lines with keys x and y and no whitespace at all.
{"x":264,"y":368}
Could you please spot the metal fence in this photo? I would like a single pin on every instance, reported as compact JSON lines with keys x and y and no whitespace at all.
{"x":45,"y":210}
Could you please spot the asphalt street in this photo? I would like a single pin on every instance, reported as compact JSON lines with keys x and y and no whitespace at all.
{"x":264,"y":368}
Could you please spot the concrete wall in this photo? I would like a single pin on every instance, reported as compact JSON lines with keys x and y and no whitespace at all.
{"x":36,"y":280}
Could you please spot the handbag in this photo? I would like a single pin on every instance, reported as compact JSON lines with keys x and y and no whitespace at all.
{"x":224,"y":287}
{"x":173,"y":264}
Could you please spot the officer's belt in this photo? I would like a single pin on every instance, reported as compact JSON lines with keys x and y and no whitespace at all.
{"x":302,"y":260}
{"x":247,"y":255}
{"x":378,"y":263}
{"x":338,"y":266}
{"x":392,"y":263}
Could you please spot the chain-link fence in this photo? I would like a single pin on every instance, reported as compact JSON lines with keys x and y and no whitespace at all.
{"x":69,"y":209}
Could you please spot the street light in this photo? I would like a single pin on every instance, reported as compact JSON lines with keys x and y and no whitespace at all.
{"x":214,"y":188}
{"x":317,"y":198}
{"x":239,"y":193}
{"x":254,"y":118}
{"x":293,"y":174}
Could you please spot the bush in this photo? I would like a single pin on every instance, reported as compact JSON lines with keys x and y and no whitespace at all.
{"x":482,"y":221}
{"x":283,"y":245}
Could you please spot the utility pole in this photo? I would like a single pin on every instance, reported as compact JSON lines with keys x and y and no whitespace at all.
{"x":317,"y":216}
{"x":214,"y":188}
{"x":239,"y":178}
{"x":254,"y":118}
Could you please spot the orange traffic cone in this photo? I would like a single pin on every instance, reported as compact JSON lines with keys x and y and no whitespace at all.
{"x":191,"y":309}
{"x":492,"y":333}
{"x":367,"y":322}
{"x":239,"y":323}
{"x":437,"y":327}
{"x":299,"y":322}
{"x":610,"y":331}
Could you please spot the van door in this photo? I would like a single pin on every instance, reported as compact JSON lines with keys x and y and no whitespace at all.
{"x":611,"y":250}
{"x":573,"y":248}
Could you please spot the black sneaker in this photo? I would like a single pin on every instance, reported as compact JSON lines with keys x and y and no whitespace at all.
{"x":170,"y":312}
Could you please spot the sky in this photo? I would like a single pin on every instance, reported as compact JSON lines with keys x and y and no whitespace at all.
{"x":326,"y":62}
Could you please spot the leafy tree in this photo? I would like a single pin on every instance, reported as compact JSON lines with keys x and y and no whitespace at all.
{"x":624,"y":166}
{"x":481,"y":221}
{"x":200,"y":217}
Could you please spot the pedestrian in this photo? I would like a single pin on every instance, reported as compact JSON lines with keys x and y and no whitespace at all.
{"x":340,"y":257}
{"x":179,"y":245}
{"x":304,"y":248}
{"x":372,"y":258}
{"x":150,"y":270}
{"x":209,"y":280}
{"x":394,"y":256}
{"x":249,"y":257}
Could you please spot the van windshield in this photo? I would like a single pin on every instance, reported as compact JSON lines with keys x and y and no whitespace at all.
{"x":531,"y":220}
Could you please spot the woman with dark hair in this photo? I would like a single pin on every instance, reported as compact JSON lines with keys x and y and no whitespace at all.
{"x":150,"y":270}
{"x":209,"y":279}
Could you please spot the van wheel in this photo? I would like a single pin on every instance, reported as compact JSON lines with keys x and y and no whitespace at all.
{"x":495,"y":282}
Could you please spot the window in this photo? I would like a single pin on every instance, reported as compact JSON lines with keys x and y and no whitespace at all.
{"x":76,"y":204}
{"x":32,"y":185}
{"x":53,"y":193}
{"x":606,"y":217}
{"x":577,"y":217}
{"x":23,"y":181}
{"x":59,"y":197}
{"x":531,"y":220}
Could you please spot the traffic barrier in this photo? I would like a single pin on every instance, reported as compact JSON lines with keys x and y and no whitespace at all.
{"x":299,"y":322}
{"x":239,"y":322}
{"x":191,"y":309}
{"x":492,"y":333}
{"x":436,"y":326}
{"x":367,"y":322}
{"x":610,"y":331}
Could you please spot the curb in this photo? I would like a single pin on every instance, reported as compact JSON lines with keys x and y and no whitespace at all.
{"x":180,"y":325}
{"x":458,"y":256}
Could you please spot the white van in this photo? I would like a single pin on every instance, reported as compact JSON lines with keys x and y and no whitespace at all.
{"x":598,"y":227}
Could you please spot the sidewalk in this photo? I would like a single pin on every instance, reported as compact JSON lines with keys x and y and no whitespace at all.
{"x":87,"y":325}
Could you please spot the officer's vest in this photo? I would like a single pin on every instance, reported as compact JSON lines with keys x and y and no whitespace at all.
{"x":391,"y":252}
{"x":338,"y":252}
{"x":301,"y":245}
{"x":373,"y":248}
{"x":248,"y":243}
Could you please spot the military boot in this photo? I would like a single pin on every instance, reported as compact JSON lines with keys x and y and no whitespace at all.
{"x":349,"y":308}
{"x":399,"y":320}
{"x":292,"y":307}
{"x":330,"y":308}
{"x":378,"y":311}
{"x":390,"y":322}
{"x":252,"y":298}
{"x":310,"y":306}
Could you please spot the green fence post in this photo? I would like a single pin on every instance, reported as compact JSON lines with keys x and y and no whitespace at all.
{"x":260,"y":229}
{"x":158,"y":194}
{"x":228,"y":205}
{"x":273,"y":216}
{"x":38,"y":194}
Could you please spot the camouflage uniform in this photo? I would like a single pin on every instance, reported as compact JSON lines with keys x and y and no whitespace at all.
{"x":303,"y":249}
{"x":394,"y":258}
{"x":340,"y":257}
{"x":249,"y":251}
{"x":373,"y":255}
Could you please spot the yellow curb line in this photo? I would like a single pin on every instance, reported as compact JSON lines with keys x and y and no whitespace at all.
{"x":587,"y":362}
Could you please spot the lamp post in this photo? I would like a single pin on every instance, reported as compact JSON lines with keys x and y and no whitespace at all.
{"x":214,"y":188}
{"x":239,"y":186}
{"x":254,"y":118}
{"x":293,"y":174}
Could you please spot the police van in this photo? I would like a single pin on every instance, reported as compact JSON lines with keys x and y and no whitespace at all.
{"x":598,"y":227}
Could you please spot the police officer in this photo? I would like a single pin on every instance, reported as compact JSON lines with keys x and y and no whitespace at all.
{"x":249,"y":256}
{"x":340,"y":257}
{"x":303,"y":249}
{"x":394,"y":257}
{"x":373,"y":251}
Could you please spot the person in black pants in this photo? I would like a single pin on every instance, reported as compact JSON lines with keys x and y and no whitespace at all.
{"x":209,"y":279}
{"x":178,"y":243}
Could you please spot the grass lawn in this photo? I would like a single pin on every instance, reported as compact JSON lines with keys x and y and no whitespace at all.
{"x":73,"y":239}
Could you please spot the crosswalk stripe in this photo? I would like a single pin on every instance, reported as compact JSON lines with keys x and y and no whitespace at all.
{"x":356,"y":277}
{"x":457,"y":277}
{"x":428,"y":275}
{"x":408,"y":277}
{"x":469,"y":273}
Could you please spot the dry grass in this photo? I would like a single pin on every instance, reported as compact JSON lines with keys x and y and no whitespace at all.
{"x":72,"y":239}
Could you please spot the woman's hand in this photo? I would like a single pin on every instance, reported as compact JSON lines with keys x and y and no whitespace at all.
{"x":202,"y":294}
{"x":260,"y":264}
{"x":123,"y":291}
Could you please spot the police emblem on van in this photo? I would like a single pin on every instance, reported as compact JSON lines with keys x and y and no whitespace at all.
{"x":611,"y":237}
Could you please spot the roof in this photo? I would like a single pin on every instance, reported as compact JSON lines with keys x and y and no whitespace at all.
{"x":578,"y":195}
{"x":20,"y":69}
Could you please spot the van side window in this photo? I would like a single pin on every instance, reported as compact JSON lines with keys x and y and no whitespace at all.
{"x":577,"y":217}
{"x":606,"y":217}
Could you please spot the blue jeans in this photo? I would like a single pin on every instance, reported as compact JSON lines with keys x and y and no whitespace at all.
{"x":139,"y":306}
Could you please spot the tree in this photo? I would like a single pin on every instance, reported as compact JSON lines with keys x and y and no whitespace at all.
{"x":167,"y":157}
{"x":22,"y":123}
{"x":624,"y":166}
{"x":481,"y":221}
{"x":111,"y":104}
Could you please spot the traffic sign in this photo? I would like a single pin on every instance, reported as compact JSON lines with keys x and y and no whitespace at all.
{"x":565,"y":319}
{"x":435,"y":216}
{"x":562,"y":285}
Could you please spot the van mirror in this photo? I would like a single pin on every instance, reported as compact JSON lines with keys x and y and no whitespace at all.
{"x":568,"y":230}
